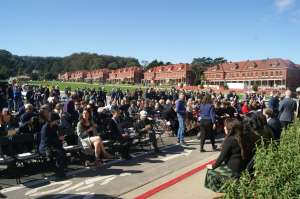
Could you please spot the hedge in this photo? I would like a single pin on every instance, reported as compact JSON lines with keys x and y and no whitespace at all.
{"x":277,"y":170}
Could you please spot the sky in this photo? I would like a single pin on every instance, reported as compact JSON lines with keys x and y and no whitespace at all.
{"x":167,"y":30}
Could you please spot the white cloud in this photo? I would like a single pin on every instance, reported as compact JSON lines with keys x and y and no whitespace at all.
{"x":283,"y":5}
{"x":295,"y":17}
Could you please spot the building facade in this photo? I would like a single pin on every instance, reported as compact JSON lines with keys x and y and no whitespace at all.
{"x":126,"y":75}
{"x":268,"y":73}
{"x":170,"y":74}
{"x":99,"y":75}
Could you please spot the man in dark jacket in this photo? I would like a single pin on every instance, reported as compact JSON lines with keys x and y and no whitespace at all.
{"x":273,"y":123}
{"x":144,"y":126}
{"x":274,"y":103}
{"x":51,"y":143}
{"x":117,"y":134}
{"x":287,"y":108}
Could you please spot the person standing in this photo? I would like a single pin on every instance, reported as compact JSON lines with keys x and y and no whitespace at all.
{"x":274,"y":102}
{"x":207,"y":118}
{"x":181,"y":111}
{"x":287,"y":107}
{"x":298,"y":102}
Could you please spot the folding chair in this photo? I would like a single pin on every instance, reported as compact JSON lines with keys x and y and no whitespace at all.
{"x":7,"y":161}
{"x":27,"y":157}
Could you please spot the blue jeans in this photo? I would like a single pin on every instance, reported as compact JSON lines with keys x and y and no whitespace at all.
{"x":180,"y":132}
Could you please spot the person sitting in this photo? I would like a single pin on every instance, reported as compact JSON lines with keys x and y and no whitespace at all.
{"x":88,"y":138}
{"x":117,"y":134}
{"x":5,"y":118}
{"x":255,"y":126}
{"x":245,"y":108}
{"x":51,"y":143}
{"x":145,"y":126}
{"x":133,"y":110}
{"x":273,"y":123}
{"x":233,"y":158}
{"x":66,"y":125}
{"x":29,"y":113}
{"x":31,"y":127}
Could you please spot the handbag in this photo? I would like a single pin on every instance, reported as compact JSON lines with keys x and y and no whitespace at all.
{"x":216,"y":178}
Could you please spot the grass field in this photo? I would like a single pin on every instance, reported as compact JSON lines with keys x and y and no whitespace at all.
{"x":107,"y":87}
{"x":82,"y":85}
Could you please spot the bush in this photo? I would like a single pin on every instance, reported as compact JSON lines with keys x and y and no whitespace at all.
{"x":277,"y":171}
{"x":225,"y":87}
{"x":255,"y":88}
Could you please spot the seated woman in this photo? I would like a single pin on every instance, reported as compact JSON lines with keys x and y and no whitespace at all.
{"x":89,"y":139}
{"x":233,"y":158}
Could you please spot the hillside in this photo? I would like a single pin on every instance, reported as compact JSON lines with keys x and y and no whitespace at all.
{"x":49,"y":67}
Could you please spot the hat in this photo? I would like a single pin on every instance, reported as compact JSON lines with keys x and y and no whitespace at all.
{"x":143,"y":113}
{"x":298,"y":89}
{"x":54,"y":117}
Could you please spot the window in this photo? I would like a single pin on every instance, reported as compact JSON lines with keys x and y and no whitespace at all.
{"x":280,"y":72}
{"x":263,"y":74}
{"x":271,"y":74}
{"x":276,"y":73}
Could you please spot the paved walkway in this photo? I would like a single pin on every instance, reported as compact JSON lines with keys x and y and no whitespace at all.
{"x":145,"y":173}
{"x":187,"y":182}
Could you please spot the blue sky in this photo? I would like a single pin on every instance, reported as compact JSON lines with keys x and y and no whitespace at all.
{"x":168,"y":30}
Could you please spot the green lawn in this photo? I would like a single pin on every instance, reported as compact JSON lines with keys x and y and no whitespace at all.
{"x":82,"y":85}
{"x":107,"y":87}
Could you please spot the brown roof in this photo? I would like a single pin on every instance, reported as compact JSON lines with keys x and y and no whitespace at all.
{"x":254,"y":64}
{"x":173,"y":67}
{"x":126,"y":69}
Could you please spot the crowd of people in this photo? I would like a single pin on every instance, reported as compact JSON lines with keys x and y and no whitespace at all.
{"x":243,"y":134}
{"x":86,"y":117}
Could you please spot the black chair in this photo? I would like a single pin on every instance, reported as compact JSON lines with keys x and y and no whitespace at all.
{"x":7,"y":161}
{"x":27,"y":156}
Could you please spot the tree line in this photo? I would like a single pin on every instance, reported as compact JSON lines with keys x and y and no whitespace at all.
{"x":49,"y":67}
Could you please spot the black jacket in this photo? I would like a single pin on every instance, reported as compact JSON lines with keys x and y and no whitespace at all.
{"x":231,"y":156}
{"x":275,"y":126}
{"x":115,"y":130}
{"x":49,"y":138}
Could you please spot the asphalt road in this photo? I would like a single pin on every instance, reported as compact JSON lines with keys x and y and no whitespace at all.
{"x":114,"y":179}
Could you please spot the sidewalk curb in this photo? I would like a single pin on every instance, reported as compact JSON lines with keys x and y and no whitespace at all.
{"x":173,"y":181}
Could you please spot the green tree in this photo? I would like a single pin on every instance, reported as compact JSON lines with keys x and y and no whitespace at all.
{"x":199,"y":65}
{"x":155,"y":63}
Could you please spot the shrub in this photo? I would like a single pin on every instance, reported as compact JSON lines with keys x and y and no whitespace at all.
{"x":225,"y":87}
{"x":255,"y":87}
{"x":277,"y":171}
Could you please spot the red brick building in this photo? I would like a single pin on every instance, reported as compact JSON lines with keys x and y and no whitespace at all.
{"x":98,"y":75}
{"x":129,"y":75}
{"x":73,"y":76}
{"x":170,"y":74}
{"x":268,"y":73}
{"x":65,"y":76}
